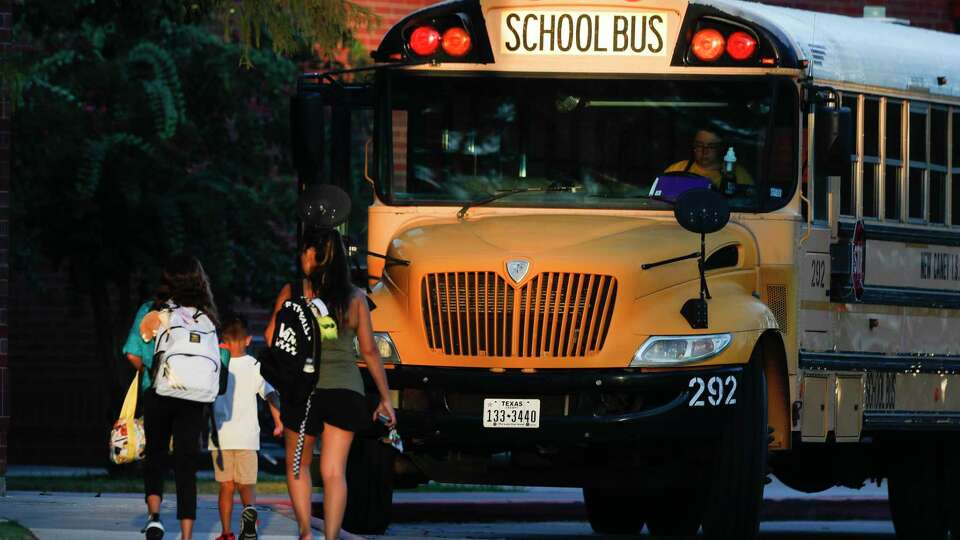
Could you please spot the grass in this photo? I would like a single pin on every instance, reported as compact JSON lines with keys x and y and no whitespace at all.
{"x":11,"y":530}
{"x":434,"y":487}
{"x":268,"y":484}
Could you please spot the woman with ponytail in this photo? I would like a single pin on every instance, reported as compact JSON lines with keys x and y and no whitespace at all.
{"x":315,"y":321}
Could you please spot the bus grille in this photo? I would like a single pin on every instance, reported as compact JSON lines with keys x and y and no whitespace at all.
{"x":555,"y":314}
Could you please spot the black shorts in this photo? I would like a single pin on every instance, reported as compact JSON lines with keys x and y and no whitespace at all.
{"x":338,"y":407}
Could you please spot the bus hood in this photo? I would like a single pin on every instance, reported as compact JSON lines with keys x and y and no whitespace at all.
{"x":600,"y":245}
{"x":521,"y":291}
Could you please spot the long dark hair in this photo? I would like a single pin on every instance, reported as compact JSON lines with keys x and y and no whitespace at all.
{"x":184,"y":281}
{"x":330,"y":281}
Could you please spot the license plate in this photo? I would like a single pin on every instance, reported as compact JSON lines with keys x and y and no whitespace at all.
{"x":511,"y":413}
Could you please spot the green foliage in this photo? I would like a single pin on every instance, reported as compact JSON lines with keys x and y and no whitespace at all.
{"x":293,"y":25}
{"x":88,"y":178}
{"x":138,"y":136}
{"x":163,"y":89}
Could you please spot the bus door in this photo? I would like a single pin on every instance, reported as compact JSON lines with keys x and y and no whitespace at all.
{"x":827,"y":150}
{"x":332,"y":127}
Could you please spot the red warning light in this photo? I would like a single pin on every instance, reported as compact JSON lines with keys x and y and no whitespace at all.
{"x":425,"y":40}
{"x":456,"y":41}
{"x":741,"y":46}
{"x":708,"y":44}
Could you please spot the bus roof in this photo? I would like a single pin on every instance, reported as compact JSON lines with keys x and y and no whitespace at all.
{"x":861,"y":51}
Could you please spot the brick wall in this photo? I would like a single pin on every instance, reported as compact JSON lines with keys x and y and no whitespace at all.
{"x":390,"y":11}
{"x":61,"y":391}
{"x":6,"y":21}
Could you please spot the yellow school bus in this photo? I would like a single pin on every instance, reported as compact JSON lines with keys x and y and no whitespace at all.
{"x":549,"y":316}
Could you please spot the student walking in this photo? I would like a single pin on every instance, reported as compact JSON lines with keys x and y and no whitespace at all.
{"x":185,"y":374}
{"x":312,"y":336}
{"x":235,"y":413}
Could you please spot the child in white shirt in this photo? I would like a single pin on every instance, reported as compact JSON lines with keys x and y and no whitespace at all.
{"x":238,"y":429}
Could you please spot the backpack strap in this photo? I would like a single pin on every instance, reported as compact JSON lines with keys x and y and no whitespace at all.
{"x":317,"y":351}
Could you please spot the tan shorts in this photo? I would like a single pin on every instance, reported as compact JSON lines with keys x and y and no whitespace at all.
{"x":238,"y":466}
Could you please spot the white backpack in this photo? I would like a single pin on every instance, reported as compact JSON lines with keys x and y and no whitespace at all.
{"x":187,"y":357}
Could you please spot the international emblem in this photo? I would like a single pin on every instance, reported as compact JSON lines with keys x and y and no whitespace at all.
{"x":517,"y":269}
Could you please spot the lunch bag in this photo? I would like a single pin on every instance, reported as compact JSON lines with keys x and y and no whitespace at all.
{"x":127,"y":441}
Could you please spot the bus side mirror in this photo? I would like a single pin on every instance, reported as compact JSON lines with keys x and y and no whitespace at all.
{"x":702,"y":211}
{"x":307,"y":129}
{"x":833,"y":140}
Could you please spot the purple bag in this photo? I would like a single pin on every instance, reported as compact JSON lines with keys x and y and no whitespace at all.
{"x":669,"y":187}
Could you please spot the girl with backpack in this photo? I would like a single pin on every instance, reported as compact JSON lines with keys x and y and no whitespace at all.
{"x":186,"y":370}
{"x":312,"y":351}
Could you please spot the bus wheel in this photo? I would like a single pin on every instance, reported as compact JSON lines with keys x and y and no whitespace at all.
{"x":612,"y":511}
{"x":369,"y":486}
{"x":916,"y":499}
{"x":736,"y":485}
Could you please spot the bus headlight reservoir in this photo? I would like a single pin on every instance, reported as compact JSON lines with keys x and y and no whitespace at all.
{"x":386,"y":348}
{"x":661,"y":351}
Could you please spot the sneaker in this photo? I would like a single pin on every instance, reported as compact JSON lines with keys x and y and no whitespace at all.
{"x":226,"y":536}
{"x":153,"y":529}
{"x":248,"y":524}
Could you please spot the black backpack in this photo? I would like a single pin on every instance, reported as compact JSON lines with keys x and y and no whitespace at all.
{"x":295,"y":344}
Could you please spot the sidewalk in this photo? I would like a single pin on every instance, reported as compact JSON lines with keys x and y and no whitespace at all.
{"x":62,"y":516}
{"x":74,"y":516}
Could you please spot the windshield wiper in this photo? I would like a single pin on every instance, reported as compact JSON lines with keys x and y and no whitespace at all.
{"x":508,"y":192}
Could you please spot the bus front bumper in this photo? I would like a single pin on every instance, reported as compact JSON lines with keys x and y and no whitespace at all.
{"x":444,"y":406}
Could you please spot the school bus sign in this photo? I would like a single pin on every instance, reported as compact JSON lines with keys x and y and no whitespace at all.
{"x":574,"y":32}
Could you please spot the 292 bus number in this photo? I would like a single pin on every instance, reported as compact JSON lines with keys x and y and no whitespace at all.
{"x":818,"y":269}
{"x":719,"y":391}
{"x":501,"y":416}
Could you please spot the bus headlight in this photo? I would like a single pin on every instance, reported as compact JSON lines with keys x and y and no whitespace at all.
{"x":385,"y":348}
{"x":659,"y":351}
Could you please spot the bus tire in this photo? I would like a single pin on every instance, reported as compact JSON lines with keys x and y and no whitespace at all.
{"x":736,"y":484}
{"x":369,"y":486}
{"x":915,"y":491}
{"x":612,"y":511}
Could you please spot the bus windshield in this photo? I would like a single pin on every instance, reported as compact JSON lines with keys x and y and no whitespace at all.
{"x":597,"y":143}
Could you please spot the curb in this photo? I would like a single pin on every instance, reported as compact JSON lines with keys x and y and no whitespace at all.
{"x":801,"y":509}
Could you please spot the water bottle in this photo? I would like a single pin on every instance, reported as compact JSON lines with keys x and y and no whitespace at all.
{"x":728,"y":182}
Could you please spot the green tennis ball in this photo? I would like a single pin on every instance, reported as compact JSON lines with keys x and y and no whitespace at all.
{"x":328,"y":328}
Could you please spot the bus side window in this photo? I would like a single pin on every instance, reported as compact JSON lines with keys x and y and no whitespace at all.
{"x":869,"y":193}
{"x":918,"y":160}
{"x":937,"y":194}
{"x":847,"y":179}
{"x":893,"y":160}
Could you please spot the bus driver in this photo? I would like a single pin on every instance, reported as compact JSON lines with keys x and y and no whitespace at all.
{"x":707,"y":161}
